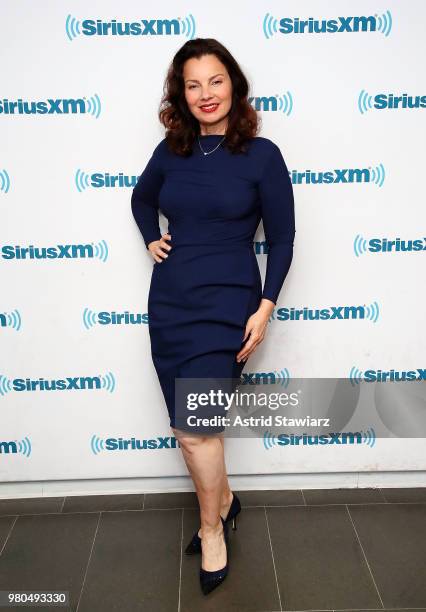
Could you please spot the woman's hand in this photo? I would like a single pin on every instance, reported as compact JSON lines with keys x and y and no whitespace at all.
{"x":155,"y":248}
{"x":256,"y":327}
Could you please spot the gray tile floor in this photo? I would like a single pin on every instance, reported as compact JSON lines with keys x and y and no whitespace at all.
{"x":344,"y":549}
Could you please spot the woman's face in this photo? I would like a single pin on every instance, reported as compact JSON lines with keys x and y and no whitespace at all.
{"x":207,"y":82}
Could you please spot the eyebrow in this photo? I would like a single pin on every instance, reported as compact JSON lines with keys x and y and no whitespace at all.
{"x":212,"y":77}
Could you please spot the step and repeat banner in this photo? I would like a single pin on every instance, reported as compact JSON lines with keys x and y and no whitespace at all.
{"x":341,"y":88}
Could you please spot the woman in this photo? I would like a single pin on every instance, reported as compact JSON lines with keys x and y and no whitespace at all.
{"x":214,"y":180}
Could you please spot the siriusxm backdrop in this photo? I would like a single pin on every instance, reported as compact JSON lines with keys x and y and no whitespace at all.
{"x":339,"y":87}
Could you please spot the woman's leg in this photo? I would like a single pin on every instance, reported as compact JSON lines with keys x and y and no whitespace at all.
{"x":204,"y":458}
{"x":226,"y":492}
{"x":226,"y":499}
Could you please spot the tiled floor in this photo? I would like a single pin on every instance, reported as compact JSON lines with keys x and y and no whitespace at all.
{"x":343,"y":549}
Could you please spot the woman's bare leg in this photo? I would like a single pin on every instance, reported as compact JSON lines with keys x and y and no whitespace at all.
{"x":226,"y":492}
{"x":226,"y":499}
{"x":204,"y":458}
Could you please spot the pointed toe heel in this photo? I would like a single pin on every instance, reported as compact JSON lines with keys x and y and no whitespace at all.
{"x":211,"y":580}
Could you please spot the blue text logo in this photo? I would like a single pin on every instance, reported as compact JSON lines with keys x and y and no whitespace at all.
{"x":22,"y":447}
{"x":92,"y":318}
{"x":52,"y":106}
{"x":143,"y":27}
{"x":356,"y":376}
{"x":103,"y":382}
{"x":295,"y":25}
{"x":99,"y":445}
{"x":389,"y":101}
{"x":281,"y":103}
{"x":59,"y":251}
{"x":332,"y":313}
{"x":387,"y":245}
{"x":337,"y":176}
{"x":83,"y":180}
{"x":281,"y":377}
{"x":357,"y":437}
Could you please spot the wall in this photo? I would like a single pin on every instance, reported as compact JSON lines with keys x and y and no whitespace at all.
{"x":356,"y":159}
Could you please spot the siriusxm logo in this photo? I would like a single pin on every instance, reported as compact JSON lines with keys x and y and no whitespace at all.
{"x":281,"y":377}
{"x":22,"y":447}
{"x":371,"y":313}
{"x":295,"y":25}
{"x":91,"y":318}
{"x":143,"y":27}
{"x":387,"y":245}
{"x":99,"y":445}
{"x":279,"y":103}
{"x":4,"y":181}
{"x":104,"y":382}
{"x":357,"y":437}
{"x":356,"y":376}
{"x":50,"y":106}
{"x":11,"y":319}
{"x":83,"y":180}
{"x":59,"y":251}
{"x":390,"y":101}
{"x":375,"y":175}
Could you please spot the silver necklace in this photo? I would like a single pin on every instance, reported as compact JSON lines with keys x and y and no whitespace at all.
{"x":208,"y":152}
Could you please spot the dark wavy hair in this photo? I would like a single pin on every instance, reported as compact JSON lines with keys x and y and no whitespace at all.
{"x":182,"y":128}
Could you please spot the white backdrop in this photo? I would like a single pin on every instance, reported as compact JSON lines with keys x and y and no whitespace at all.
{"x":325,"y":98}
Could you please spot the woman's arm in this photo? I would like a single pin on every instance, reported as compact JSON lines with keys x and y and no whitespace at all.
{"x":144,"y":199}
{"x":277,"y":204}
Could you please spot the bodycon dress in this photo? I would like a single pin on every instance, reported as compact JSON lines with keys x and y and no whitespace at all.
{"x":203,"y":293}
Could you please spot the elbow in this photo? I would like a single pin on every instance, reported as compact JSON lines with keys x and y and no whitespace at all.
{"x":283,"y":240}
{"x":280,"y":233}
{"x":134,"y":203}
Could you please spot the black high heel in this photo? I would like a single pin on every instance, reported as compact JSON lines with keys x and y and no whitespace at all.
{"x":211,"y":580}
{"x":194,"y":547}
{"x":234,"y":522}
{"x":234,"y":511}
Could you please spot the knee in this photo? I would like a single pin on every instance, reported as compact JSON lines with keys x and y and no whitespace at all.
{"x":189,"y":443}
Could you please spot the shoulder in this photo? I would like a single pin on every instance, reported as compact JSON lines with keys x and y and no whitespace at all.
{"x":158,"y":155}
{"x":265,"y":145}
{"x":262,"y":141}
{"x":269,"y":154}
{"x":265,"y":149}
{"x":161,"y":148}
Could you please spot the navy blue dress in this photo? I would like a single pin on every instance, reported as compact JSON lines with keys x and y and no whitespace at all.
{"x":203,"y":293}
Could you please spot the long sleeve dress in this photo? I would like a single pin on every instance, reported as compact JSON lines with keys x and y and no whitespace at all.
{"x":203,"y":293}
